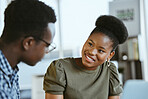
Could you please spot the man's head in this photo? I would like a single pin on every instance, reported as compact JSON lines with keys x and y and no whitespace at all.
{"x":29,"y":24}
{"x":25,"y":18}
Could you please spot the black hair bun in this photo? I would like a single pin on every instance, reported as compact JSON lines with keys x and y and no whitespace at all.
{"x":113,"y":25}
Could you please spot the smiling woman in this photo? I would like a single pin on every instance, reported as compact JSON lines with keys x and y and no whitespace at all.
{"x":95,"y":51}
{"x":92,"y":75}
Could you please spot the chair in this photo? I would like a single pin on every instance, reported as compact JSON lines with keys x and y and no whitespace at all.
{"x":135,"y":89}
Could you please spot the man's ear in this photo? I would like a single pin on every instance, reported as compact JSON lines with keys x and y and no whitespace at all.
{"x":27,"y":43}
{"x":111,"y":55}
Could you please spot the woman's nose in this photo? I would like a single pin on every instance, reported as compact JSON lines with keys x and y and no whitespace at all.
{"x":93,"y":51}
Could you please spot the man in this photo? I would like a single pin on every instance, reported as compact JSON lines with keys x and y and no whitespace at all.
{"x":27,"y":34}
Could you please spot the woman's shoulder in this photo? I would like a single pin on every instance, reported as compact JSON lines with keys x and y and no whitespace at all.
{"x":62,"y":61}
{"x":114,"y":81}
{"x":111,"y":67}
{"x":113,"y":70}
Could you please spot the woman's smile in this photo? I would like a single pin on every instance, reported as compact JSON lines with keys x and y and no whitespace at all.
{"x":89,"y":59}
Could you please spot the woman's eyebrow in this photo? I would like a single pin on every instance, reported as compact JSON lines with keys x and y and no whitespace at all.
{"x":91,"y":40}
{"x":102,"y":47}
{"x":99,"y":46}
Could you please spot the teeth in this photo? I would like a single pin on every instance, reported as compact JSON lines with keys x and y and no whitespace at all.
{"x":90,"y":58}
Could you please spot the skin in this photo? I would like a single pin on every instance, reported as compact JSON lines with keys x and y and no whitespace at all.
{"x":51,"y":96}
{"x":94,"y":53}
{"x":27,"y":50}
{"x":114,"y":97}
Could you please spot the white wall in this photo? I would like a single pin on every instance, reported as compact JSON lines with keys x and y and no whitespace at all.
{"x":144,"y":25}
{"x":2,"y":8}
{"x":3,"y":5}
{"x":78,"y":20}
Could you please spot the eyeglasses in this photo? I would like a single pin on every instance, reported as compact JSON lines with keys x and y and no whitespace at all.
{"x":50,"y":46}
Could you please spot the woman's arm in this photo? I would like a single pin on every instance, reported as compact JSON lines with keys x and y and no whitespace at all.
{"x":114,"y":97}
{"x":51,"y":96}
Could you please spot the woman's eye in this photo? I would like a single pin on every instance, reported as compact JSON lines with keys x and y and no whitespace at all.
{"x":101,"y":51}
{"x":90,"y":44}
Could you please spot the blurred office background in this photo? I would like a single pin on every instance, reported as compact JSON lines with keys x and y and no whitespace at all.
{"x":75,"y":20}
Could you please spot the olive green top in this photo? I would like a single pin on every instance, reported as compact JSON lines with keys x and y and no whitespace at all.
{"x":64,"y":77}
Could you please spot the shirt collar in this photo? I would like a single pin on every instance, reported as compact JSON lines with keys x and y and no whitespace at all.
{"x":5,"y":66}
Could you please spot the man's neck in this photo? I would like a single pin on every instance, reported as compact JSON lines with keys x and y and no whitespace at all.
{"x":11,"y":52}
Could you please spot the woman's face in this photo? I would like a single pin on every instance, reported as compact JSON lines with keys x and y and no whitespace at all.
{"x":96,"y":50}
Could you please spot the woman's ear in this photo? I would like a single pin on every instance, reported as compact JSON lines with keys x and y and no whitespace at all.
{"x":111,"y":55}
{"x":27,"y":43}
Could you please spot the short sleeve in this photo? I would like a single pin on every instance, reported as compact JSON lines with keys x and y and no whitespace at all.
{"x":115,"y":87}
{"x":54,"y":79}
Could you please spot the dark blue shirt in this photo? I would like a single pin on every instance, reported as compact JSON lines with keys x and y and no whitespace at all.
{"x":9,"y":85}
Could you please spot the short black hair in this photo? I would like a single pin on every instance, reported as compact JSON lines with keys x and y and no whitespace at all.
{"x":26,"y":18}
{"x":113,"y":27}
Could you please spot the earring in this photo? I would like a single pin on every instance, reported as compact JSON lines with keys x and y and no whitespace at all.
{"x":108,"y":63}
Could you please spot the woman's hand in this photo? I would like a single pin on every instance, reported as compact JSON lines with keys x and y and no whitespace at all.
{"x":51,"y":96}
{"x":114,"y":97}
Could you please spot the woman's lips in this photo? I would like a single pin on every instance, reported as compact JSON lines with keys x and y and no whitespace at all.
{"x":89,"y":59}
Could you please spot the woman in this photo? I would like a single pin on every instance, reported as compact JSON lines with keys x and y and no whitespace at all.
{"x":91,"y":76}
